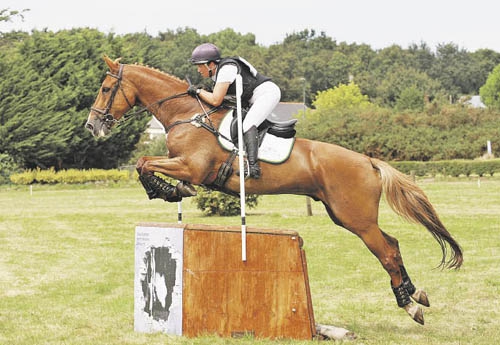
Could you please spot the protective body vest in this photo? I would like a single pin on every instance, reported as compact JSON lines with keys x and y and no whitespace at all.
{"x":249,"y":75}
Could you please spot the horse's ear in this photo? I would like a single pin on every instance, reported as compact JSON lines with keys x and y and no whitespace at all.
{"x":113,"y":65}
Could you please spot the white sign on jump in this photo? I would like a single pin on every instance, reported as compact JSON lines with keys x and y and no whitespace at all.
{"x":158,"y":280}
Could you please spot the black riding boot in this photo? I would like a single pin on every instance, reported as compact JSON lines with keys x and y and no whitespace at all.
{"x":251,"y":139}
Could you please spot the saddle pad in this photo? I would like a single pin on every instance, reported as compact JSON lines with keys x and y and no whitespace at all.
{"x":273,"y":149}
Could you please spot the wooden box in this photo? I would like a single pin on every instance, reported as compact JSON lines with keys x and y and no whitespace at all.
{"x":267,"y":295}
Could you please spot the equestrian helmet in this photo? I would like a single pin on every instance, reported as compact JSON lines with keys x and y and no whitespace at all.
{"x":204,"y":53}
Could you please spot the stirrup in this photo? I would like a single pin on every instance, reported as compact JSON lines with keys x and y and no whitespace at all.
{"x":248,"y":171}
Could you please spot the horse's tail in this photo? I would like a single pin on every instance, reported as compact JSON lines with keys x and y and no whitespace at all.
{"x":409,"y":201}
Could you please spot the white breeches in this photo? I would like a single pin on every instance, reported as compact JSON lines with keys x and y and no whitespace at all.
{"x":265,"y":98}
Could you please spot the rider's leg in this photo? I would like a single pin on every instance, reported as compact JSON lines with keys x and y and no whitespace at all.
{"x":251,"y":139}
{"x":265,"y":98}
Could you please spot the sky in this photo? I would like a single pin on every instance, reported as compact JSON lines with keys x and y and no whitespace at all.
{"x":471,"y":24}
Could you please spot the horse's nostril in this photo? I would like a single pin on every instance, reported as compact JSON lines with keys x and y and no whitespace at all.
{"x":89,"y":126}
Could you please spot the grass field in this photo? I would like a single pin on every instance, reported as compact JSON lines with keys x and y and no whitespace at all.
{"x":67,"y":266}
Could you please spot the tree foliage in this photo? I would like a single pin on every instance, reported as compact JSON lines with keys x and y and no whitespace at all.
{"x":436,"y":133}
{"x":343,"y":97}
{"x":48,"y":81}
{"x":7,"y":15}
{"x":490,"y":91}
{"x":46,"y":93}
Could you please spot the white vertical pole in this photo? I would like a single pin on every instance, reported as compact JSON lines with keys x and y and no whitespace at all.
{"x":179,"y":212}
{"x":488,"y":147}
{"x":241,"y":152}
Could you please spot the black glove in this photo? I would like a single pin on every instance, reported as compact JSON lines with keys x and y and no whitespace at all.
{"x":193,"y":90}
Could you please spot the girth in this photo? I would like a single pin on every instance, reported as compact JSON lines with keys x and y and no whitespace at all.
{"x":225,"y":171}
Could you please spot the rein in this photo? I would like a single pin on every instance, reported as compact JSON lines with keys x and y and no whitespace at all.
{"x":198,"y":120}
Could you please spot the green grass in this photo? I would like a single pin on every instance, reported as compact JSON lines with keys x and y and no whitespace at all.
{"x":67,"y":266}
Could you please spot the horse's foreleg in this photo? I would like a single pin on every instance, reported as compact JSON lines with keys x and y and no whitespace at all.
{"x":157,"y":187}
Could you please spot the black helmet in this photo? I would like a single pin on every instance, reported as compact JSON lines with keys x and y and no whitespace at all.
{"x":205,"y":53}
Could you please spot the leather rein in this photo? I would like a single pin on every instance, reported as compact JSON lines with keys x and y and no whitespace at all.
{"x":198,"y":120}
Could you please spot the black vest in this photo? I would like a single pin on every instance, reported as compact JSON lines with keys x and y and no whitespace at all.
{"x":250,"y":82}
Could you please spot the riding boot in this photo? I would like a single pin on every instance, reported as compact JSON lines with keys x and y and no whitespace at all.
{"x":251,"y":139}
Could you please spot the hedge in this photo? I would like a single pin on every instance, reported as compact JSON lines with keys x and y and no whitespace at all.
{"x":69,"y":176}
{"x":453,"y":168}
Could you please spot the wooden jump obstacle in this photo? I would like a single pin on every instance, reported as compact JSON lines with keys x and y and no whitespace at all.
{"x":190,"y":280}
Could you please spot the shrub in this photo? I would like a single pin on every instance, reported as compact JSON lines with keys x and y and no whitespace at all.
{"x":7,"y":167}
{"x":217,"y":203}
{"x":46,"y":176}
{"x":453,"y":168}
{"x":26,"y":177}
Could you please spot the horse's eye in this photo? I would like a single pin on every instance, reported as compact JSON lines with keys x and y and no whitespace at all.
{"x":105,"y":89}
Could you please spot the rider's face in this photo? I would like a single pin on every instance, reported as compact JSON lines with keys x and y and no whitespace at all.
{"x":204,"y":69}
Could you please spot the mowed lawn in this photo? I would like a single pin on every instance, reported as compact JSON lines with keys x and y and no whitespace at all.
{"x":67,"y":266}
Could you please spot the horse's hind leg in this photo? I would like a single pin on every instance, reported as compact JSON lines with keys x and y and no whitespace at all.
{"x":390,"y":258}
{"x":420,"y":296}
{"x":386,"y":250}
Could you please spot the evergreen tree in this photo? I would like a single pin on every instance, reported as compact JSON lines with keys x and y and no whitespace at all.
{"x":47,"y":92}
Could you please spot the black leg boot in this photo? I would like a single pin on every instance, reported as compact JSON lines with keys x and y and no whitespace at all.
{"x":408,"y":285}
{"x":158,"y":188}
{"x":251,"y":139}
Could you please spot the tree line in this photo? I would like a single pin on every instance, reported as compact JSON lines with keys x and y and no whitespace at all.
{"x":48,"y":82}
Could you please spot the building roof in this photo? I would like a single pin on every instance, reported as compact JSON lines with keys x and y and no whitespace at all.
{"x":154,"y":124}
{"x":284,"y":109}
{"x":475,"y":102}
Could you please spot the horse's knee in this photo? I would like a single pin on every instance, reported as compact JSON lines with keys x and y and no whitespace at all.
{"x":140,"y":165}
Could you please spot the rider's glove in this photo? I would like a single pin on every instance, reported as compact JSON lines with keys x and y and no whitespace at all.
{"x":194,"y":90}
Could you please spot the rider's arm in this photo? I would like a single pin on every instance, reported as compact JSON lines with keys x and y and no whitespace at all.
{"x":216,"y":97}
{"x":225,"y":77}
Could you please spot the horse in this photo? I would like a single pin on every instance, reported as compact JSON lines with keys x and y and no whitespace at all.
{"x":349,"y":184}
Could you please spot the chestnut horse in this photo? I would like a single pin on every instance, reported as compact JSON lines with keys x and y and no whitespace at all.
{"x":349,"y":184}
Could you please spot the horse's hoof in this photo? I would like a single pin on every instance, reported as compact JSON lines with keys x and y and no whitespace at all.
{"x":185,"y":189}
{"x":420,"y":296}
{"x":415,"y":312}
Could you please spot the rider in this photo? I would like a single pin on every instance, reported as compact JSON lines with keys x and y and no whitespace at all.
{"x":260,"y":95}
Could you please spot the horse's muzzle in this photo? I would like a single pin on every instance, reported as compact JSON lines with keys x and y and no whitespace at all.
{"x":97,"y":128}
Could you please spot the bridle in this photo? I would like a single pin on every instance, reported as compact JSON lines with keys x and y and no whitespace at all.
{"x":108,"y":119}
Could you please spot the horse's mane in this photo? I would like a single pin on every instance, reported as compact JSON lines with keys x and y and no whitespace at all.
{"x":168,"y":75}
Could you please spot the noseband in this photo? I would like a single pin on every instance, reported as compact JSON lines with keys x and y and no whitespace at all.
{"x":108,"y":118}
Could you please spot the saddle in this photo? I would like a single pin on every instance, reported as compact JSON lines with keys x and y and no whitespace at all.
{"x":281,"y":128}
{"x":276,"y":140}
